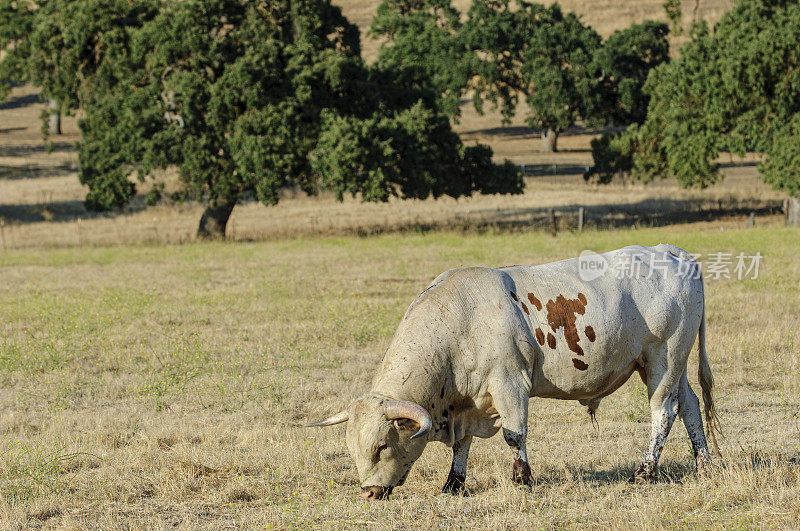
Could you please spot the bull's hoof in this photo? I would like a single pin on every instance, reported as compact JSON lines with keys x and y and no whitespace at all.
{"x":455,"y":486}
{"x":704,"y":467}
{"x":521,"y":473}
{"x":644,"y":474}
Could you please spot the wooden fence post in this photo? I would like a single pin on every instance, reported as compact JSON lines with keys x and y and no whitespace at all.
{"x":793,"y":212}
{"x":580,"y":219}
{"x":553,"y":223}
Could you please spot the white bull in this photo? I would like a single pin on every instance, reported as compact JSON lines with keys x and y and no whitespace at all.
{"x":474,"y":346}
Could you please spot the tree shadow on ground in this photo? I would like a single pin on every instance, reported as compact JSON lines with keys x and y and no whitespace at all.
{"x":551,"y":170}
{"x":646,"y":213}
{"x":578,"y":170}
{"x":45,"y":211}
{"x":20,"y":101}
{"x":523,"y":131}
{"x":24,"y":150}
{"x":37,"y":171}
{"x":61,"y":211}
{"x":739,"y":164}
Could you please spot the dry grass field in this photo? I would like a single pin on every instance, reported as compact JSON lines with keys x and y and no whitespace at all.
{"x":147,"y":386}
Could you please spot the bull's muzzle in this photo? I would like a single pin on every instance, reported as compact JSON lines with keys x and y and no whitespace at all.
{"x":376,"y":492}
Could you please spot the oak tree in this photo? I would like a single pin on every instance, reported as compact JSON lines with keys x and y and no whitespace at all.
{"x":245,"y":98}
{"x":736,"y":89}
{"x":538,"y":52}
{"x":16,"y":18}
{"x":625,"y":60}
{"x":424,"y":47}
{"x":58,"y":46}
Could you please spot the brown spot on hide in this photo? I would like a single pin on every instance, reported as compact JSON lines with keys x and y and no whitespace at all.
{"x":441,"y":393}
{"x":540,"y":336}
{"x":590,"y":333}
{"x":581,"y":366}
{"x":562,"y":313}
{"x":525,"y":308}
{"x":536,"y":302}
{"x":513,"y":296}
{"x":551,"y":340}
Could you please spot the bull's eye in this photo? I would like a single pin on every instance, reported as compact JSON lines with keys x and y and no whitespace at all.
{"x":380,"y":449}
{"x":406,"y":424}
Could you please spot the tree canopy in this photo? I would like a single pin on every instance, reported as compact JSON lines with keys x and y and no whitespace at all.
{"x":70,"y":39}
{"x":16,"y":20}
{"x":561,"y":67}
{"x":736,"y":89}
{"x":538,"y":52}
{"x":58,"y":45}
{"x":249,"y":97}
{"x":625,"y":60}
{"x":425,"y":48}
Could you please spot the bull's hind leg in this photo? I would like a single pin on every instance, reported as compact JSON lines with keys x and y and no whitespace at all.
{"x":689,"y":410}
{"x":458,"y":470}
{"x":662,"y":415}
{"x":663,"y":374}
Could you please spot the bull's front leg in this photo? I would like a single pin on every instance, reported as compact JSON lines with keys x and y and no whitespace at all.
{"x":521,"y":471}
{"x":458,"y":471}
{"x":513,"y":409}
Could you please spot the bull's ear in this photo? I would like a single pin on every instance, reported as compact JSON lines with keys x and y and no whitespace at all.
{"x":403,"y":409}
{"x":407,"y":424}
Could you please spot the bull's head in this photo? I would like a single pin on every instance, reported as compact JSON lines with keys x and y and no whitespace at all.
{"x":385,"y":436}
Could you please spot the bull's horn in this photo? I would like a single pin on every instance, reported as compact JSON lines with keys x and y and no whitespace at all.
{"x":338,"y":418}
{"x":403,"y":409}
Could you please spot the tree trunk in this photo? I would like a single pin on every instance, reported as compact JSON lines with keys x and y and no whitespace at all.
{"x":549,"y":141}
{"x":214,"y":220}
{"x":793,"y":212}
{"x":55,"y":117}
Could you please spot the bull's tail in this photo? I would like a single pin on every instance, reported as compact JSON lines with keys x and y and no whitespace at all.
{"x":707,"y":385}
